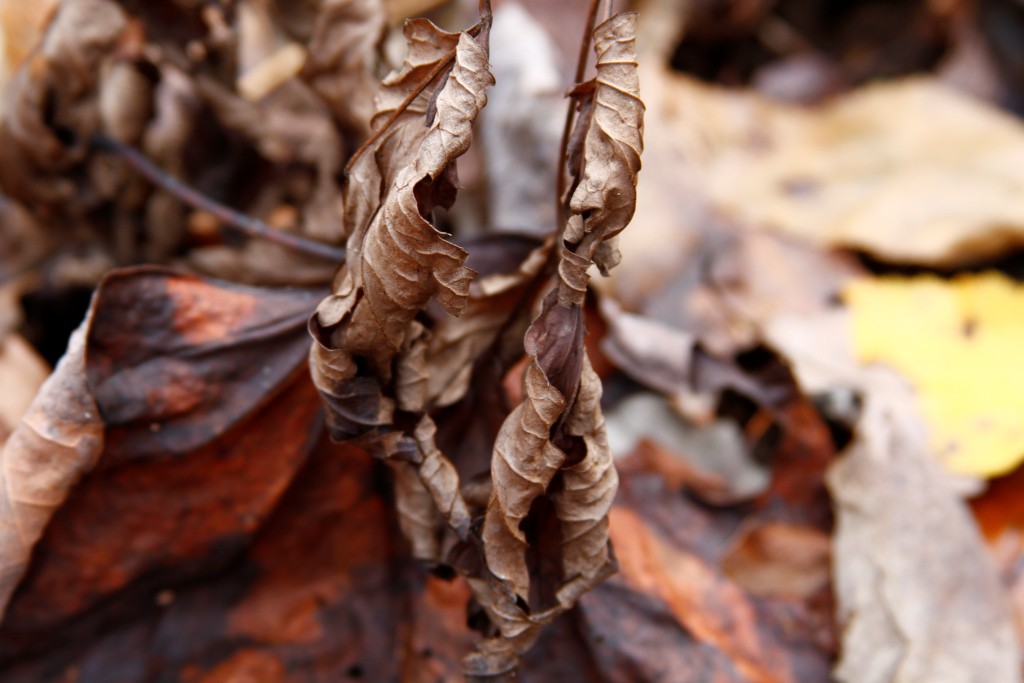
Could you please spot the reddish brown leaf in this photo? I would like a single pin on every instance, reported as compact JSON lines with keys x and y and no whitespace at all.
{"x":175,"y":361}
{"x":181,"y":374}
{"x":326,"y":592}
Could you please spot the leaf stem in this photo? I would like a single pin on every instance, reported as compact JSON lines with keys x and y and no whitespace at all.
{"x":225,"y":214}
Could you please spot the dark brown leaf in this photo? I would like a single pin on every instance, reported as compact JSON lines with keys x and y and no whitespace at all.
{"x":172,"y":381}
{"x":175,"y":361}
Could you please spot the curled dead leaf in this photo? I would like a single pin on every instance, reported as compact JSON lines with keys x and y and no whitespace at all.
{"x":552,"y":470}
{"x":56,"y":442}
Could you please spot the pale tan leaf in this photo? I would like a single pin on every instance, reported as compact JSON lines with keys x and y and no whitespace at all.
{"x":919,"y":599}
{"x":58,"y":440}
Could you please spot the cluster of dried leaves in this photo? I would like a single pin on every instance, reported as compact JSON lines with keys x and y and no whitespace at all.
{"x":170,"y":368}
{"x":373,"y":450}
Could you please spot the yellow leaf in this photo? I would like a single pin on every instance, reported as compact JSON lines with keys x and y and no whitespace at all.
{"x":961,"y":344}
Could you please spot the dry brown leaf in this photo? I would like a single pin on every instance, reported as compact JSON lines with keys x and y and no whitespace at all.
{"x":325,"y":591}
{"x":399,"y":261}
{"x":342,"y":58}
{"x":54,"y":91}
{"x":609,"y":144}
{"x":558,"y":429}
{"x":779,"y":559}
{"x":370,"y":176}
{"x":170,"y":376}
{"x":370,"y":354}
{"x":56,"y":442}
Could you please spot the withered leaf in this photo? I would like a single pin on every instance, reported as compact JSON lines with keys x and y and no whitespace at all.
{"x":370,"y":176}
{"x":55,"y":108}
{"x":370,"y":352}
{"x":919,"y":599}
{"x":553,"y":445}
{"x":342,"y":56}
{"x":176,"y":360}
{"x":403,"y":259}
{"x":399,"y":261}
{"x":171,"y":381}
{"x":56,"y":442}
{"x":609,"y":141}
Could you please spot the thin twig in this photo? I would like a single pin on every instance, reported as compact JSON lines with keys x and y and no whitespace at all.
{"x":225,"y":214}
{"x":570,"y":115}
